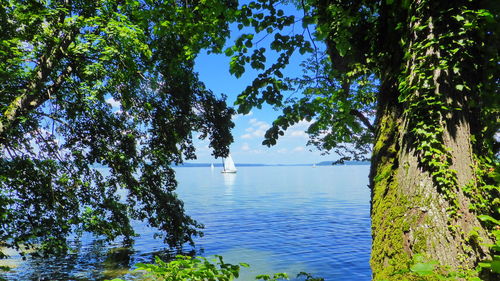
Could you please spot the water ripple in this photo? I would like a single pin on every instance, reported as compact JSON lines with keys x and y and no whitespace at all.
{"x":278,"y":219}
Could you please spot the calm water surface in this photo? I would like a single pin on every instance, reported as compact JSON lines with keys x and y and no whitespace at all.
{"x":277,"y":219}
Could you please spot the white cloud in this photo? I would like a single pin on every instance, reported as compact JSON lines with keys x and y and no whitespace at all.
{"x":47,"y":136}
{"x":297,"y":133}
{"x":298,"y":130}
{"x":259,"y":133}
{"x":304,"y":123}
{"x":203,"y":148}
{"x":259,"y":124}
{"x":257,"y":129}
{"x":245,"y":147}
{"x":113,"y":102}
{"x":263,"y":126}
{"x":282,"y":150}
{"x":299,"y":149}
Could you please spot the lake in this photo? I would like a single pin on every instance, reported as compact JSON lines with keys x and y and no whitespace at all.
{"x":276,"y":218}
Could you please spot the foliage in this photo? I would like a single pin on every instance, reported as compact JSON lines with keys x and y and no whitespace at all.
{"x":70,"y":161}
{"x":428,"y":102}
{"x":274,"y":277}
{"x":339,"y":104}
{"x":309,"y":277}
{"x":186,"y":268}
{"x":421,"y":269}
{"x":486,"y":202}
{"x":492,"y":264}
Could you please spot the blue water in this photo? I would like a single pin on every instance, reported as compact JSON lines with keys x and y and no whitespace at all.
{"x":277,"y":219}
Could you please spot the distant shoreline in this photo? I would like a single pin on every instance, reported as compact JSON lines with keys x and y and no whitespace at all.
{"x":324,"y":163}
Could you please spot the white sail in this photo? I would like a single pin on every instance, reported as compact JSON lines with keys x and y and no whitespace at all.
{"x":228,"y":165}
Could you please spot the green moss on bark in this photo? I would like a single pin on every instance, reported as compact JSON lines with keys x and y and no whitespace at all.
{"x":388,"y":206}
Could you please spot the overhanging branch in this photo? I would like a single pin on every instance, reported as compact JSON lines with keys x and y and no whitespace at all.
{"x":363,"y":119}
{"x":34,"y":94}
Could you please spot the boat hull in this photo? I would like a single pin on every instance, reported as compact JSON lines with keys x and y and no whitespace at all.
{"x":228,"y":172}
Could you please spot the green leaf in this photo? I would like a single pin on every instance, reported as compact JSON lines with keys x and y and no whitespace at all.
{"x":229,"y":52}
{"x":488,"y":218}
{"x":422,"y":268}
{"x":495,"y":266}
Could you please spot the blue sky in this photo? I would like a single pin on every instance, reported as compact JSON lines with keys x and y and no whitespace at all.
{"x":249,"y":129}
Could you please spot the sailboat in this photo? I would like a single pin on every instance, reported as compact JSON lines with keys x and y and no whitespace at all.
{"x":228,"y":165}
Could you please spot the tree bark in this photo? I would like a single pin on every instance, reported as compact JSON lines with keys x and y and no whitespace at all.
{"x":411,"y":214}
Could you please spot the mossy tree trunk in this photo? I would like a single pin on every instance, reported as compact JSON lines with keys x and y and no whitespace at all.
{"x":423,"y":157}
{"x":410,"y":214}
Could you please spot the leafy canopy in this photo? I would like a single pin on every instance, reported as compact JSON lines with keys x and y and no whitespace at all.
{"x":70,"y":161}
{"x":337,"y":96}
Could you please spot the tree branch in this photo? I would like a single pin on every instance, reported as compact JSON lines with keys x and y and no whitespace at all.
{"x":33,"y":95}
{"x":363,"y":119}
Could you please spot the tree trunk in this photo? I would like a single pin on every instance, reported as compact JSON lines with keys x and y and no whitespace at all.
{"x":415,"y":210}
{"x":409,"y":214}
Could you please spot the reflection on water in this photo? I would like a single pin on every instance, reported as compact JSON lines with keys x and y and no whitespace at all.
{"x":229,"y":179}
{"x":94,"y":261}
{"x":14,"y":259}
{"x":277,"y":219}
